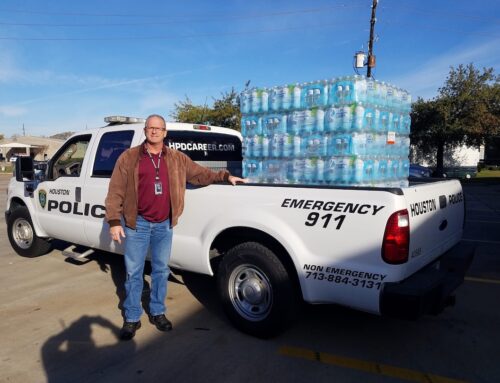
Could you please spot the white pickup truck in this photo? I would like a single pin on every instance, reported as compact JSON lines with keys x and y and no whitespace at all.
{"x":386,"y":251}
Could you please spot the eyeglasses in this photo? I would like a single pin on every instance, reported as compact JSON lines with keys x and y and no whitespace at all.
{"x":154,"y":129}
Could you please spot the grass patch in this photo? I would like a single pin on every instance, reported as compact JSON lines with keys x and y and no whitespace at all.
{"x":485,"y":173}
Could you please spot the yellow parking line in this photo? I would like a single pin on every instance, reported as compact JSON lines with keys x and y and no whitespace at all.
{"x":366,"y":366}
{"x":483,"y":280}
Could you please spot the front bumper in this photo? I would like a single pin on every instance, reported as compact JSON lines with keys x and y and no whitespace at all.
{"x":429,"y":290}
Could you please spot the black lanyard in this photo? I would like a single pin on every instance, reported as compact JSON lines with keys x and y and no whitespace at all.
{"x":157,"y":167}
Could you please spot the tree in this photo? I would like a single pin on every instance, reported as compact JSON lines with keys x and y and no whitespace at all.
{"x":224,"y":112}
{"x":466,"y":111}
{"x":1,"y":137}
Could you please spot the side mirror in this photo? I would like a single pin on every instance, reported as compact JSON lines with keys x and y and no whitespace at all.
{"x":25,"y":169}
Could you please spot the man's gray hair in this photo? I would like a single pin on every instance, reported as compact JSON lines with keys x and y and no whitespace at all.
{"x":157,"y":116}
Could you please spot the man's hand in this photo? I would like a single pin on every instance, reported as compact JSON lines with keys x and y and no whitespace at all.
{"x":116,"y":233}
{"x":234,"y":180}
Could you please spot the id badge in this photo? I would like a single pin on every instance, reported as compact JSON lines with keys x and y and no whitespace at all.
{"x":158,"y":188}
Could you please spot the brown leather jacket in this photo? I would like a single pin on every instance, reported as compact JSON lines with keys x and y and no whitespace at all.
{"x":123,"y":186}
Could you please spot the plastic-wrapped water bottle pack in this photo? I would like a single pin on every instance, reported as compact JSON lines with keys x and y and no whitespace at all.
{"x":345,"y":131}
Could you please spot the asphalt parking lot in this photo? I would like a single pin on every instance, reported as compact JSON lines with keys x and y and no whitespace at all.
{"x":59,"y":322}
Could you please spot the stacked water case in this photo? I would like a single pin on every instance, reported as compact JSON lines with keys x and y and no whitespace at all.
{"x":345,"y":131}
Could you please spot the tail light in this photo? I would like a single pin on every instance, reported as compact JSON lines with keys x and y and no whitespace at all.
{"x":396,"y":244}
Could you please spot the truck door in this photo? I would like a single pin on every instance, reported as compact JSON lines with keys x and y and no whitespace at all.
{"x":109,"y":147}
{"x":59,"y":207}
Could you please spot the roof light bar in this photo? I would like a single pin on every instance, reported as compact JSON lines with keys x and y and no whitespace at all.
{"x":124,"y":120}
{"x":201,"y":127}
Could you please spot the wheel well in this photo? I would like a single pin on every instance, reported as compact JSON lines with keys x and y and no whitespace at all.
{"x":15,"y":203}
{"x":231,"y":237}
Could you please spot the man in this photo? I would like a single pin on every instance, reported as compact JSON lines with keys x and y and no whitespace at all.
{"x":147,"y":188}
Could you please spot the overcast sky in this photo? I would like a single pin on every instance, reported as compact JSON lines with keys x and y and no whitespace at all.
{"x":65,"y":65}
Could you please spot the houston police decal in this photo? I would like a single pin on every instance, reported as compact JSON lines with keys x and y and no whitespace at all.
{"x":42,"y":198}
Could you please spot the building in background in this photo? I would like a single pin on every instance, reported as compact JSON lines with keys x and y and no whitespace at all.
{"x":39,"y":148}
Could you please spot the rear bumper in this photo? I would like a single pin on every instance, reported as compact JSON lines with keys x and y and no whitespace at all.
{"x":429,"y":290}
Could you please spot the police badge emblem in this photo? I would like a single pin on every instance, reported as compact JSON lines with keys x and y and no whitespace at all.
{"x":42,"y":198}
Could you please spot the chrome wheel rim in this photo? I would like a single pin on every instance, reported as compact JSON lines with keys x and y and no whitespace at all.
{"x":22,"y":232}
{"x":250,"y":292}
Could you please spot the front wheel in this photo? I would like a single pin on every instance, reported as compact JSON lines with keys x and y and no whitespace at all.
{"x":256,"y":291}
{"x":22,"y":236}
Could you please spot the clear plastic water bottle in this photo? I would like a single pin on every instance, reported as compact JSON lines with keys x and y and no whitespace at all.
{"x":295,"y":122}
{"x":347,"y":117}
{"x":404,"y":169}
{"x":251,"y":126}
{"x":314,"y":145}
{"x":288,"y":145}
{"x":319,"y":115}
{"x":320,"y":170}
{"x":295,"y":170}
{"x":314,"y":95}
{"x":405,"y":124}
{"x":275,"y":123}
{"x":274,"y":99}
{"x":330,"y":171}
{"x":255,"y":101}
{"x":308,"y":118}
{"x":392,"y":169}
{"x":297,"y":146}
{"x":359,"y":118}
{"x":264,"y":100}
{"x":245,"y":102}
{"x":286,"y":94}
{"x":252,"y":169}
{"x":339,"y":145}
{"x":296,"y":96}
{"x":384,"y":120}
{"x":265,"y":146}
{"x":371,"y":149}
{"x":358,"y":172}
{"x":344,"y":170}
{"x":247,"y":147}
{"x":359,"y":93}
{"x":333,"y":121}
{"x":310,"y":170}
{"x":276,"y":148}
{"x":256,"y":149}
{"x":382,"y":94}
{"x":390,"y":96}
{"x":358,"y":145}
{"x":371,"y":91}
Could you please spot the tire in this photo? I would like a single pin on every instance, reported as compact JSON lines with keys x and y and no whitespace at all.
{"x":256,"y":291}
{"x":22,"y":236}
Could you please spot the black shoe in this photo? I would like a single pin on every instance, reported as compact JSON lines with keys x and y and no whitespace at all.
{"x":161,"y":322}
{"x":128,"y":330}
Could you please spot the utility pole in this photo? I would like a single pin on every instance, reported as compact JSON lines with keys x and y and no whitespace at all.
{"x":371,"y":57}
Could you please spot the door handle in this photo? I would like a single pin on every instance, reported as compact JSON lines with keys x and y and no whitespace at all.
{"x":78,"y":194}
{"x":443,"y":225}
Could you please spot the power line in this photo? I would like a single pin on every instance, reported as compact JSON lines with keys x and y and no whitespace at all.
{"x":440,"y":28}
{"x":203,"y":17}
{"x":450,"y":14}
{"x":219,"y":34}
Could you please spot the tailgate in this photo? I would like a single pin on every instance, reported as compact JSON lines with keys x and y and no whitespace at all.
{"x":436,"y":212}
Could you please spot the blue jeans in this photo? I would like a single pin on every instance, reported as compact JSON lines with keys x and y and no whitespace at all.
{"x":158,"y":238}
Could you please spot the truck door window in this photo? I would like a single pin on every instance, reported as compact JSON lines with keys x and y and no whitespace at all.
{"x":217,"y":151}
{"x":110,"y":147}
{"x":68,"y":160}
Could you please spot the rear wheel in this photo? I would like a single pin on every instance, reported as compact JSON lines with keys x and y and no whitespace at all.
{"x":256,"y":291}
{"x":22,"y":236}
